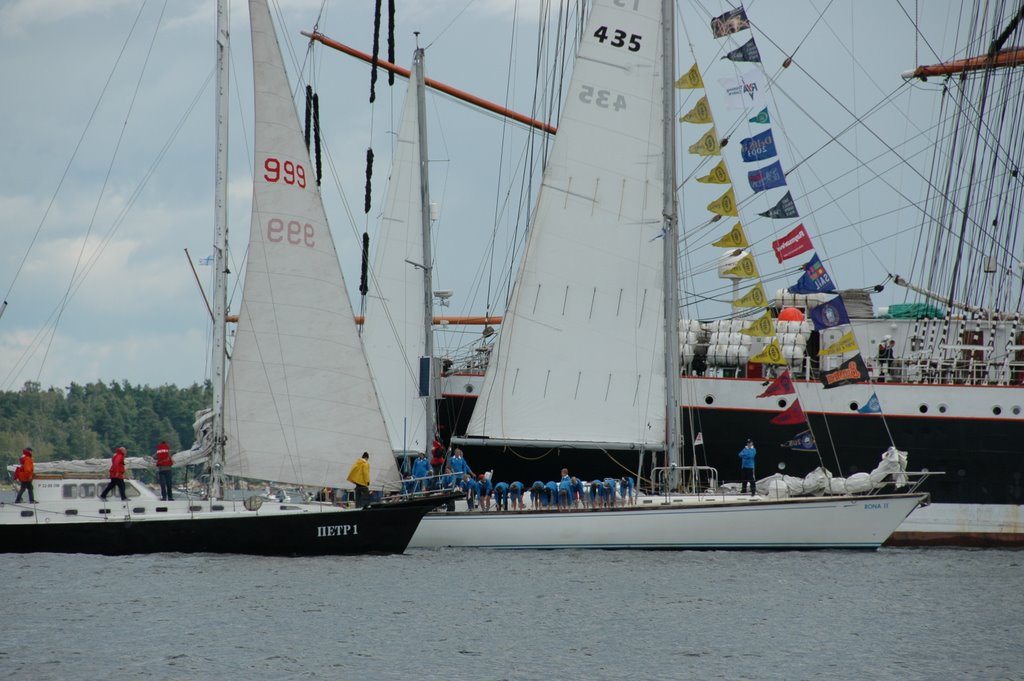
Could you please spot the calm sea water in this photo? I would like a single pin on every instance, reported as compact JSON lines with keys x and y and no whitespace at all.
{"x":462,"y":614}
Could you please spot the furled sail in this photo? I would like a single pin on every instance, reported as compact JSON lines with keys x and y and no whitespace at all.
{"x":299,"y":404}
{"x":579,"y":360}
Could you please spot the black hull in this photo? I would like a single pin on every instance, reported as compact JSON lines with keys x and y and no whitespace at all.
{"x":982,"y":460}
{"x":377,"y":529}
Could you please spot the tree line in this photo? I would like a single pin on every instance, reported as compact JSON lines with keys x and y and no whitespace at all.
{"x":91,"y":420}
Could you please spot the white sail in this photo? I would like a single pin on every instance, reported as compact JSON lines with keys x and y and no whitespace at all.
{"x":579,"y":358}
{"x":299,"y":405}
{"x":393,"y":327}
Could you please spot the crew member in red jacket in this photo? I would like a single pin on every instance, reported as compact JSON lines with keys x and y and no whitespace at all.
{"x":436,"y":462}
{"x":116,"y":475}
{"x":164,"y":462}
{"x":25,"y":473}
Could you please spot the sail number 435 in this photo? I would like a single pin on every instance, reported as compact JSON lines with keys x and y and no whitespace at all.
{"x":602,"y":98}
{"x":618,"y":38}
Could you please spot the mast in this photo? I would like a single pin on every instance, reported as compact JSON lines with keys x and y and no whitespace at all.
{"x":220,"y":297}
{"x":428,"y":268}
{"x":670,"y":230}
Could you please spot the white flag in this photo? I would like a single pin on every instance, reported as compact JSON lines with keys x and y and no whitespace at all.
{"x":745,"y":92}
{"x":699,"y":440}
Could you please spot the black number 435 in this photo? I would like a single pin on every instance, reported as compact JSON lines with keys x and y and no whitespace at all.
{"x":618,"y":38}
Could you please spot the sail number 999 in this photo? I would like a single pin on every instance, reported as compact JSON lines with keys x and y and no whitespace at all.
{"x":293,"y":232}
{"x":287,"y":172}
{"x":618,"y":38}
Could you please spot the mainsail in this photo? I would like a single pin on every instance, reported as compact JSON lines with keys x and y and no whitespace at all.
{"x":299,"y":403}
{"x":393,"y":330}
{"x":579,"y":360}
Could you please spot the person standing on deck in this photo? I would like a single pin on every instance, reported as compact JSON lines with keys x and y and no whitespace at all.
{"x":484,"y":481}
{"x":459,"y":464}
{"x":359,"y":475}
{"x":747,"y":456}
{"x":164,"y":471}
{"x":436,"y":462}
{"x":25,"y":473}
{"x":116,"y":475}
{"x":564,"y":499}
{"x":420,"y":471}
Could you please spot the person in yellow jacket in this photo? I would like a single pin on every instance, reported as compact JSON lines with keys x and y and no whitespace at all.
{"x":25,"y":473}
{"x":359,"y":475}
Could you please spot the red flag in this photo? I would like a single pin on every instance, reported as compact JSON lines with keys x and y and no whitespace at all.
{"x":783,"y":385}
{"x":795,"y":414}
{"x":793,"y":244}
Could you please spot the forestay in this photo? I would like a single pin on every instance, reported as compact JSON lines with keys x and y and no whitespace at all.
{"x":580,"y":356}
{"x":299,"y":406}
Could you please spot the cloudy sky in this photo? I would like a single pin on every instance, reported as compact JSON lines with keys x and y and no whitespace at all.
{"x":107,"y":155}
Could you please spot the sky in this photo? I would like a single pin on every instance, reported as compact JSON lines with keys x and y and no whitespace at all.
{"x":107,"y":148}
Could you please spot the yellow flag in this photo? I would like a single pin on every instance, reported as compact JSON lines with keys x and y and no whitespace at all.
{"x":700,"y":113}
{"x":690,"y":80}
{"x":724,"y":204}
{"x":718,"y":175}
{"x":755,"y":297}
{"x":745,"y":268}
{"x":763,"y":326}
{"x":847,"y":343}
{"x":772,"y":354}
{"x":736,"y":238}
{"x":706,"y":145}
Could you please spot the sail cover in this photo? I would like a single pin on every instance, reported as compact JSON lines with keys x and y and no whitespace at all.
{"x":579,"y":357}
{"x":393,"y":327}
{"x":299,"y":403}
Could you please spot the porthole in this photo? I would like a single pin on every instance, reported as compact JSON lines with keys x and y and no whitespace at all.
{"x":71,"y":511}
{"x":1016,"y":411}
{"x":942,"y":408}
{"x":997,"y":410}
{"x":923,"y":409}
{"x":708,"y":399}
{"x":469,"y":388}
{"x":783,"y":403}
{"x":854,"y":406}
{"x":782,"y":465}
{"x":961,"y":473}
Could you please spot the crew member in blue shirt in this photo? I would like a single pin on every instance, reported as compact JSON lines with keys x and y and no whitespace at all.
{"x":578,"y":497}
{"x":537,"y":495}
{"x":459,"y":464}
{"x":626,"y":490}
{"x":550,"y":494}
{"x":500,"y":496}
{"x":609,"y":488}
{"x":515,"y":495}
{"x":420,"y":471}
{"x":747,"y":455}
{"x":565,"y":490}
{"x":472,"y":489}
{"x":485,"y":492}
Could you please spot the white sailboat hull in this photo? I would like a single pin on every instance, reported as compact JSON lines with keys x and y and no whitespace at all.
{"x":818,"y":523}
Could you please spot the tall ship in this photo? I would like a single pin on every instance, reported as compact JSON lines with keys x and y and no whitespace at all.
{"x":937,"y":374}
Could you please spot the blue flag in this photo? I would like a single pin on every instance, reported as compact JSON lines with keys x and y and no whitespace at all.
{"x":803,"y":442}
{"x":871,"y":406}
{"x":758,"y":147}
{"x":815,"y":278}
{"x":766,"y":178}
{"x":830,"y":315}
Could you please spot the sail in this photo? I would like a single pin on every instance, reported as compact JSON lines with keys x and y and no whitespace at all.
{"x":393,"y":326}
{"x":299,"y":403}
{"x":579,"y":359}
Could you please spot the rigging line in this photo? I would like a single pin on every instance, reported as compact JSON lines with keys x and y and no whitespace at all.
{"x":74,"y":153}
{"x":450,"y":23}
{"x":497,"y":194}
{"x":115,"y":225}
{"x":103,"y":187}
